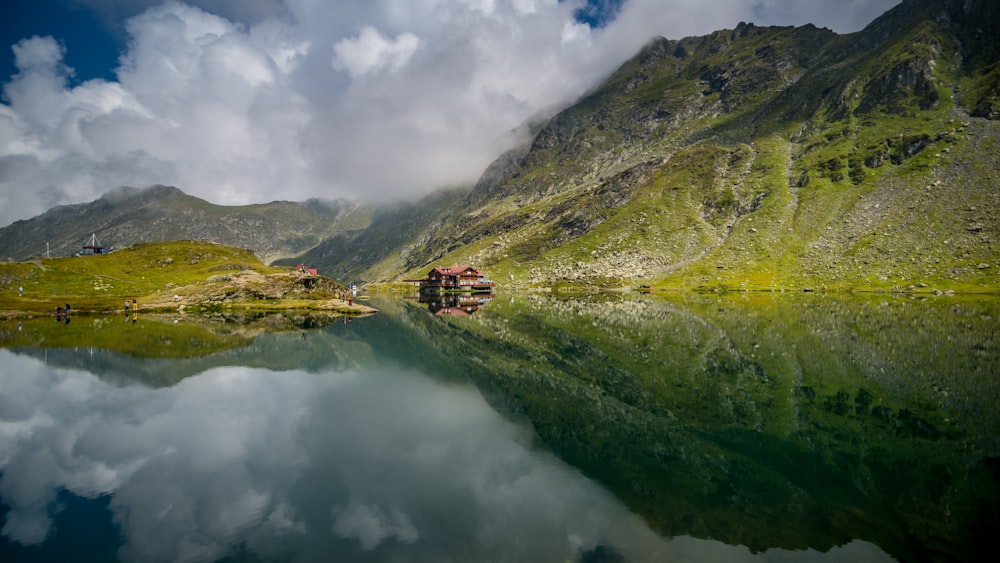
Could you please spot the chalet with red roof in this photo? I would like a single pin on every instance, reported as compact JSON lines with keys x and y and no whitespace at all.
{"x":456,"y":278}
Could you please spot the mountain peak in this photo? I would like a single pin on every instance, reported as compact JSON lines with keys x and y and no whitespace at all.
{"x":662,"y":168}
{"x":124,"y":193}
{"x":127,"y":215}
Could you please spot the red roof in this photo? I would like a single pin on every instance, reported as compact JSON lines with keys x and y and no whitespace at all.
{"x":454,"y":270}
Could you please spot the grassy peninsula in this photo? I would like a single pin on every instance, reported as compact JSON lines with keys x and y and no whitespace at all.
{"x":174,"y":276}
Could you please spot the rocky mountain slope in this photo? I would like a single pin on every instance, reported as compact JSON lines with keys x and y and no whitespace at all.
{"x":755,"y":158}
{"x":126,"y":216}
{"x":375,"y":252}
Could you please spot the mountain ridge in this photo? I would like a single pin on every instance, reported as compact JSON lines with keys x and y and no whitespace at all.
{"x":759,"y":158}
{"x":655,"y":175}
{"x":127,"y":215}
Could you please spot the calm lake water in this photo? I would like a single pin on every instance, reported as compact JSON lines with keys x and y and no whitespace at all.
{"x":755,"y":427}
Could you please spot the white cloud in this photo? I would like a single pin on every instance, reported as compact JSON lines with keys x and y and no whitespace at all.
{"x":372,"y":52}
{"x":304,"y":98}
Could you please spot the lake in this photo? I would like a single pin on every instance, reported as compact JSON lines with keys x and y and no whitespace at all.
{"x":735,"y":427}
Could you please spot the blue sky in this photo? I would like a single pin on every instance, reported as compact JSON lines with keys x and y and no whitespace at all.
{"x":91,"y":49}
{"x":94,"y":37}
{"x":598,"y":13}
{"x":244,"y":101}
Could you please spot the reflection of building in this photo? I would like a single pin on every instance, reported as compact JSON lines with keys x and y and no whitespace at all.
{"x":456,"y":304}
{"x":456,"y":278}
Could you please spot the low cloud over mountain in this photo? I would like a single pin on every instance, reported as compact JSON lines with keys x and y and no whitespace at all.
{"x":243,"y":102}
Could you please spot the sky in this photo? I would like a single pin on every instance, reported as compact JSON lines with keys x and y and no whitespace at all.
{"x":251,"y":101}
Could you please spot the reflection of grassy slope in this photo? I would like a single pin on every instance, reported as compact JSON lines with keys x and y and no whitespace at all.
{"x":150,"y":336}
{"x":888,"y":406}
{"x":156,"y":352}
{"x":146,"y":338}
{"x":159,"y":355}
{"x":156,"y":338}
{"x":796,"y":422}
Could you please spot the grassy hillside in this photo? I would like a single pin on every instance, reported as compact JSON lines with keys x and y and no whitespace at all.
{"x":759,"y":159}
{"x":202,"y":275}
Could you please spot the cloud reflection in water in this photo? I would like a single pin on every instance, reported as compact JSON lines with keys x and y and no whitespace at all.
{"x":365,"y":463}
{"x":366,"y":466}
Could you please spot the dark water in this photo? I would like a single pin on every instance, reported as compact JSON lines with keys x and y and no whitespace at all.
{"x":632,"y":428}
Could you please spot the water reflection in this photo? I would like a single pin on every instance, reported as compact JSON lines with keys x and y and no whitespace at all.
{"x":785,"y":428}
{"x":374,"y":465}
{"x":800,"y":421}
{"x":369,"y":465}
{"x":455,"y":304}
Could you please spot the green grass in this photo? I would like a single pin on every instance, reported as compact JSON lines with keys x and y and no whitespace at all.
{"x":102,"y":283}
{"x":764,"y":196}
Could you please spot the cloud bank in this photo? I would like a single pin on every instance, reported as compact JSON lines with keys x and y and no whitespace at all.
{"x":290,"y":99}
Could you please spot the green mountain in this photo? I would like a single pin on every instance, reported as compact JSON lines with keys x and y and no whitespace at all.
{"x":127,"y":216}
{"x":755,"y":158}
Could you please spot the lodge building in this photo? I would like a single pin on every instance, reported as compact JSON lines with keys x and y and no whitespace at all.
{"x":456,"y":278}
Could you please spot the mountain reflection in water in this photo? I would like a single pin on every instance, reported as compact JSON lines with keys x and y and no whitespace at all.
{"x":785,"y":428}
{"x":373,"y":465}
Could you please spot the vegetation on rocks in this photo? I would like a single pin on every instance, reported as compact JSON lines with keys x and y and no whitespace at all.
{"x":754,"y":159}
